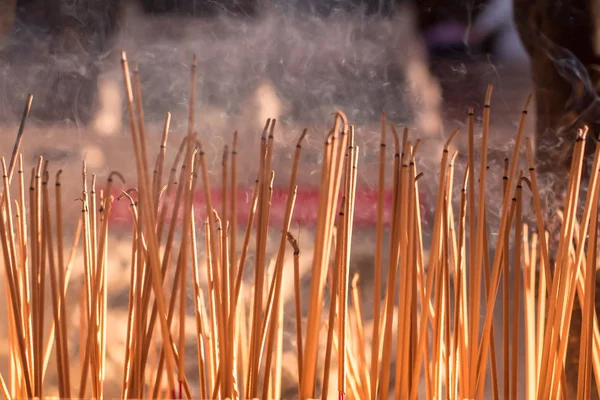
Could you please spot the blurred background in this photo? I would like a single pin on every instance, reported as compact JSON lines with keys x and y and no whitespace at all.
{"x":363,"y":56}
{"x":421,"y":62}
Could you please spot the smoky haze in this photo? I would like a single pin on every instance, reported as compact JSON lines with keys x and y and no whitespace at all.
{"x":291,"y":61}
{"x":287,"y":62}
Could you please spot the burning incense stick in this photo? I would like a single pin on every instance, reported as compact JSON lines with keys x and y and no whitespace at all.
{"x":430,"y":320}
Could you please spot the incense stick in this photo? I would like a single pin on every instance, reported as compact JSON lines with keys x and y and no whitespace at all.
{"x":429,"y":323}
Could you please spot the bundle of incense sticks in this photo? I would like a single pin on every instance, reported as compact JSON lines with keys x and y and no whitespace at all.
{"x":443,"y":343}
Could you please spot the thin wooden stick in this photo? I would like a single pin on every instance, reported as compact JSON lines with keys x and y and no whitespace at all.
{"x":472,"y":228}
{"x":475,"y":290}
{"x":62,"y":282}
{"x":545,"y":259}
{"x":16,"y":311}
{"x":405,"y":293}
{"x":297,"y":303}
{"x":516,"y":293}
{"x":245,"y":246}
{"x":198,"y":310}
{"x":224,"y":184}
{"x":360,"y":331}
{"x":332,"y":308}
{"x":350,"y":191}
{"x":12,"y":247}
{"x":278,"y":367}
{"x":233,"y":205}
{"x":25,"y":276}
{"x":4,"y":389}
{"x":434,"y":254}
{"x":486,"y":277}
{"x":378,"y":260}
{"x":460,"y":335}
{"x":168,"y":250}
{"x":435,"y":329}
{"x":560,"y":296}
{"x":585,"y":351}
{"x":279,"y":263}
{"x":160,"y":161}
{"x":172,"y":183}
{"x":529,"y":283}
{"x":571,"y":273}
{"x":395,"y":243}
{"x":506,"y":338}
{"x":330,"y":183}
{"x":393,"y":269}
{"x":221,"y":319}
{"x":179,"y":283}
{"x":259,"y":269}
{"x":147,"y":207}
{"x":182,"y":262}
{"x":541,"y":318}
{"x":19,"y":139}
{"x":132,"y":315}
{"x":496,"y":268}
{"x":40,"y":276}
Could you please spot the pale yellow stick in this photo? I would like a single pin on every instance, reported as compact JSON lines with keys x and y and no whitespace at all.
{"x":586,"y":345}
{"x":4,"y":389}
{"x":516,"y":293}
{"x":541,"y":320}
{"x":529,"y":293}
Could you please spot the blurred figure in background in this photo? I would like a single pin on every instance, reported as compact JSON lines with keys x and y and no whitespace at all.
{"x":59,"y":44}
{"x":7,"y":17}
{"x":452,"y":28}
{"x":562,"y":39}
